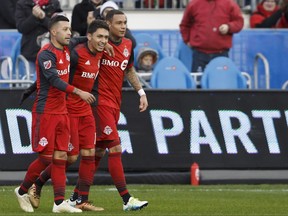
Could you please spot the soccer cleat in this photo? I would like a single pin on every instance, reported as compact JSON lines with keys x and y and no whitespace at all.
{"x":88,"y":206}
{"x":71,"y":203}
{"x":134,"y":204}
{"x":34,"y":197}
{"x":23,"y":201}
{"x":65,"y":207}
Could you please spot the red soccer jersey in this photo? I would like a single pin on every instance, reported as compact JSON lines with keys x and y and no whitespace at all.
{"x":108,"y":86}
{"x":82,"y":76}
{"x":52,"y":68}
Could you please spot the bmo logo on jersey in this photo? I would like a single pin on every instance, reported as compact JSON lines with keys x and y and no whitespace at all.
{"x":113,"y":63}
{"x":89,"y":75}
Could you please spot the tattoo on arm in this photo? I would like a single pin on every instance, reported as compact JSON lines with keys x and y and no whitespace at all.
{"x":133,"y":78}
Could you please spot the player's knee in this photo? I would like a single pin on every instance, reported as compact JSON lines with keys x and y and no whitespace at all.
{"x":61,"y":155}
{"x":72,"y":159}
{"x":116,"y":148}
{"x":87,"y":152}
{"x":99,"y":152}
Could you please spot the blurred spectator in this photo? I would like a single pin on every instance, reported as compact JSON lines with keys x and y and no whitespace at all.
{"x":79,"y":21}
{"x":106,"y":7}
{"x":111,"y":5}
{"x":283,"y":21}
{"x":158,"y":4}
{"x":43,"y":39}
{"x":7,"y":14}
{"x":146,"y":59}
{"x":32,"y":17}
{"x":208,"y":27}
{"x":119,"y":3}
{"x":162,"y":4}
{"x":97,"y":5}
{"x":266,"y":15}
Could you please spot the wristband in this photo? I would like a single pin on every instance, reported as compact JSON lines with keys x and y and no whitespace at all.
{"x":141,"y":92}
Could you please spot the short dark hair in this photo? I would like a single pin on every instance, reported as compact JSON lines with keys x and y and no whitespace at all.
{"x":96,"y":24}
{"x":55,"y":19}
{"x":111,"y":13}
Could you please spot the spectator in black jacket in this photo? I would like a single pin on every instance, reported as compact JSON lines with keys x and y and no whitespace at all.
{"x":31,"y":21}
{"x":7,"y":14}
{"x":81,"y":15}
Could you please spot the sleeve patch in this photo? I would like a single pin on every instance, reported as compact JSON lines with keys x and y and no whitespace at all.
{"x":47,"y":64}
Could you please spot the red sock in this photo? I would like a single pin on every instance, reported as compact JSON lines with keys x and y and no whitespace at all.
{"x":97,"y":161}
{"x":117,"y":173}
{"x":58,"y":177}
{"x":34,"y":170}
{"x":46,"y":175}
{"x":86,"y":175}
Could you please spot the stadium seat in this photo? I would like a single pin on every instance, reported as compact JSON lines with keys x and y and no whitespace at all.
{"x":145,"y":40}
{"x":222,"y":73}
{"x":21,"y":68}
{"x":171,"y":73}
{"x":6,"y":68}
{"x":184,"y":54}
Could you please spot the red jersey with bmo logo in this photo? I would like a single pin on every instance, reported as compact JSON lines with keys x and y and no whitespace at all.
{"x":52,"y":68}
{"x":84,"y":71}
{"x":108,"y":86}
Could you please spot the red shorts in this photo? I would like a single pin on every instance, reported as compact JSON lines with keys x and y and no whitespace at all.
{"x":106,"y":119}
{"x":83,"y":134}
{"x":50,"y":132}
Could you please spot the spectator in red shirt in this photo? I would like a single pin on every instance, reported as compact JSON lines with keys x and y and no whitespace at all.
{"x":208,"y":27}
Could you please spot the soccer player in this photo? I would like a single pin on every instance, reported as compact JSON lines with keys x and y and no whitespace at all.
{"x":108,"y":92}
{"x":50,"y":121}
{"x":85,"y":63}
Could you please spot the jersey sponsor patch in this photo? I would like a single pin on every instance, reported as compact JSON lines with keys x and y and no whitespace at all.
{"x":107,"y":130}
{"x":47,"y":64}
{"x":43,"y":141}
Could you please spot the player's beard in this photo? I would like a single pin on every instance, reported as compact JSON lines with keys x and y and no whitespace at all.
{"x":65,"y":41}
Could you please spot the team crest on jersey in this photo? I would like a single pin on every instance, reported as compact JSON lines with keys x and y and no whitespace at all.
{"x":43,"y":141}
{"x":107,"y":130}
{"x":126,"y":52}
{"x":70,"y":147}
{"x":47,"y":64}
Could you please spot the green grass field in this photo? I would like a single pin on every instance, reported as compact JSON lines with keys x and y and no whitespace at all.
{"x":171,"y":200}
